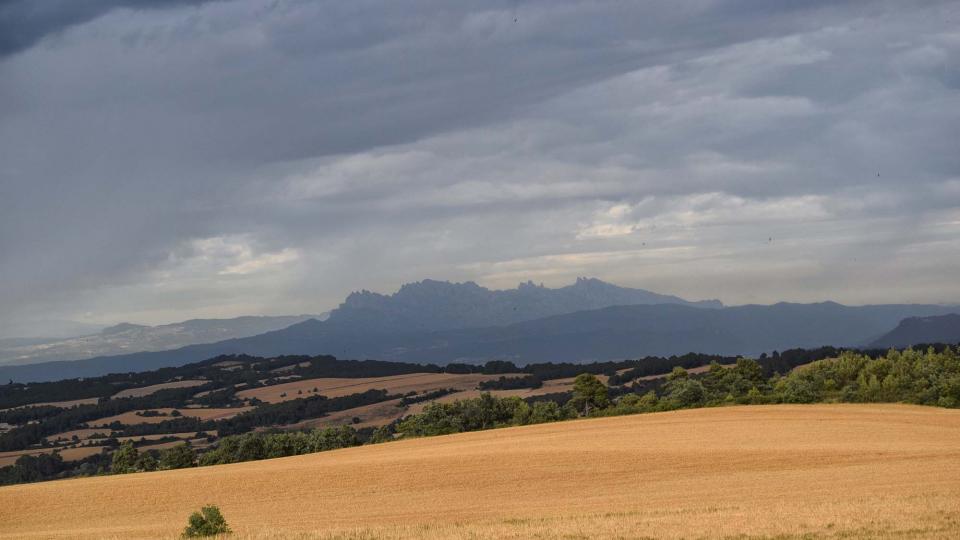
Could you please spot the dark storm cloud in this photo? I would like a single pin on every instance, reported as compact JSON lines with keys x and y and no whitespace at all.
{"x":264,"y":156}
{"x":25,"y":22}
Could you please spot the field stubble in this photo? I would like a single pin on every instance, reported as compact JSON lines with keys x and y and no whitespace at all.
{"x":817,"y":471}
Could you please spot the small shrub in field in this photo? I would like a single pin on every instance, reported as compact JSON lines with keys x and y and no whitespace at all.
{"x":207,"y":522}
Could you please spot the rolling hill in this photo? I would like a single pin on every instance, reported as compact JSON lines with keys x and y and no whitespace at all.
{"x":442,"y":322}
{"x":914,"y":330}
{"x":762,"y":471}
{"x":127,"y":338}
{"x":615,"y":332}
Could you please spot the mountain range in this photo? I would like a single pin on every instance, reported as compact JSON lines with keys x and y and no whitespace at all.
{"x":431,"y":305}
{"x":441,"y":322}
{"x":126,"y":338}
{"x":913,"y":330}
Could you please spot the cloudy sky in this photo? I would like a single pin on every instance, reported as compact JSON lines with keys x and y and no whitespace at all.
{"x":162,"y":160}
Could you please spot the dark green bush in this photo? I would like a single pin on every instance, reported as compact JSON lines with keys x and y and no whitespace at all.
{"x":207,"y":522}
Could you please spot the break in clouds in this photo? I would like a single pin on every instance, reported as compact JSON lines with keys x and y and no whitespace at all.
{"x":167,"y":160}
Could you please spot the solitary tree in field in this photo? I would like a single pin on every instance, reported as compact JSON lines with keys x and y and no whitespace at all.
{"x":589,"y":391}
{"x":207,"y":522}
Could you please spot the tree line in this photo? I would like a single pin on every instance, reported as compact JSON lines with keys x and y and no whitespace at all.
{"x":923,"y":377}
{"x":930,"y":377}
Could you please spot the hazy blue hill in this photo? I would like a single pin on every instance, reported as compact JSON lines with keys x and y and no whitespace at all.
{"x":917,"y":330}
{"x":640,"y":330}
{"x":614,"y":332}
{"x":127,"y":338}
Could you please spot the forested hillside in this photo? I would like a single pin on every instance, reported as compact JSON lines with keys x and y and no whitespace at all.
{"x":241,"y":408}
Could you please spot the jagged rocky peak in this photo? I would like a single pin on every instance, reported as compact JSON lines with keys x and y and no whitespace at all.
{"x":430,"y":286}
{"x":418,"y":290}
{"x":433,"y":304}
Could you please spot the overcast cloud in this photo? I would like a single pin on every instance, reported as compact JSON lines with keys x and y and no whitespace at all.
{"x":167,"y":160}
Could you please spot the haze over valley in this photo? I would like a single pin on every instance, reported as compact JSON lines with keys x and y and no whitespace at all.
{"x":442,"y":322}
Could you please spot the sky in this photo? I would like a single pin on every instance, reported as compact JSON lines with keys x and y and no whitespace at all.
{"x":165,"y":160}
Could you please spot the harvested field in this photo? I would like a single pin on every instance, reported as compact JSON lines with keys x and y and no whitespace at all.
{"x":376,"y":414}
{"x":155,"y":437}
{"x":551,"y":386}
{"x":9,"y":458}
{"x":82,"y":434}
{"x":79,"y":453}
{"x":805,"y":471}
{"x":417,"y":408}
{"x":132,"y":418}
{"x":214,"y":414}
{"x":160,"y":446}
{"x":565,"y":385}
{"x":335,"y":387}
{"x":62,"y":404}
{"x":68,"y":454}
{"x":232,"y":368}
{"x":228,"y":364}
{"x":290,"y":368}
{"x":698,"y":369}
{"x":147,"y":390}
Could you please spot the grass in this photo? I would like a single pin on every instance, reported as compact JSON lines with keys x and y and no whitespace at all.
{"x":784,"y":472}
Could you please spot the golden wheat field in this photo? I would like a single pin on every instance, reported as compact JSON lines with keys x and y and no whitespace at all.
{"x":814,"y":471}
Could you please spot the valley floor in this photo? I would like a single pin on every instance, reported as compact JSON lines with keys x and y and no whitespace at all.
{"x":805,"y":471}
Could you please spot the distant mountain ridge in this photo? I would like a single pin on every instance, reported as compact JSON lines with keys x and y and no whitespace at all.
{"x":914,"y":330}
{"x":126,"y":337}
{"x":441,"y":305}
{"x":615,"y":332}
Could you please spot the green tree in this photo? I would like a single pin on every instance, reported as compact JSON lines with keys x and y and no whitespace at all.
{"x":649,"y":400}
{"x":145,"y":463}
{"x":178,"y":457}
{"x":538,"y":413}
{"x":125,"y":459}
{"x":332,"y":438}
{"x":589,"y":391}
{"x":686,"y":392}
{"x":207,"y":522}
{"x":754,"y":397}
{"x":683,"y":391}
{"x":381,"y":434}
